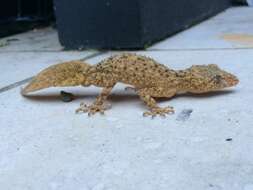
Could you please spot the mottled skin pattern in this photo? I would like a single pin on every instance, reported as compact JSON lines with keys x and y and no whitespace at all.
{"x":147,"y":77}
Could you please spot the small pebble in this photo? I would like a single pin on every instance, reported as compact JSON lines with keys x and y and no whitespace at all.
{"x":66,"y":97}
{"x":184,"y":115}
{"x":229,"y":139}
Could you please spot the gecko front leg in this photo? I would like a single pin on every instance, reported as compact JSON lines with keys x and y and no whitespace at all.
{"x":147,"y":96}
{"x":99,"y":104}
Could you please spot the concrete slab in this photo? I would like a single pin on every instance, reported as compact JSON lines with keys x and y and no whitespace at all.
{"x":45,"y":145}
{"x":19,"y":65}
{"x":44,"y":39}
{"x":230,"y":29}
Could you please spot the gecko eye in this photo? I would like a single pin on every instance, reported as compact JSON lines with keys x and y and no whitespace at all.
{"x":217,"y":79}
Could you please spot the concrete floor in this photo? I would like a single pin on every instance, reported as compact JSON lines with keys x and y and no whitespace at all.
{"x":45,"y":145}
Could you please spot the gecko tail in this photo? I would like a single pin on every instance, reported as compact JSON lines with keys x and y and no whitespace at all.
{"x":60,"y":75}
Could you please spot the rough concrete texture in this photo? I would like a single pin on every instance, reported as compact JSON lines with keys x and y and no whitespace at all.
{"x":36,"y":40}
{"x":206,"y":144}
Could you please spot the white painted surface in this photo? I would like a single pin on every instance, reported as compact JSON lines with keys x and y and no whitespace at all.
{"x":45,"y":145}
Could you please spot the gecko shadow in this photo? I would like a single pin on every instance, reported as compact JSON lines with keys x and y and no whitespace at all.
{"x":57,"y":97}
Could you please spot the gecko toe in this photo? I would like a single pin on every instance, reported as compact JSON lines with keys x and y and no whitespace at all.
{"x":83,"y":108}
{"x":93,"y":109}
{"x":159,"y":111}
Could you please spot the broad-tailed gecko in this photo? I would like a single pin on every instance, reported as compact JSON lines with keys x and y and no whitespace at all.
{"x":147,"y":77}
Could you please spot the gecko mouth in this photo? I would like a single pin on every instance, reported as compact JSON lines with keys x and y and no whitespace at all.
{"x":220,"y":82}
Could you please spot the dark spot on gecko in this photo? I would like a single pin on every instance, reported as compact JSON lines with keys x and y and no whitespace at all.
{"x":67,"y":97}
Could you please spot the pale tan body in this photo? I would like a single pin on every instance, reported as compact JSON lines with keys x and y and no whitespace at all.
{"x":149,"y":79}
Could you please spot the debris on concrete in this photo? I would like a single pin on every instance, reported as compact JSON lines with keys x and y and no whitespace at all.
{"x":67,"y":97}
{"x":184,"y":115}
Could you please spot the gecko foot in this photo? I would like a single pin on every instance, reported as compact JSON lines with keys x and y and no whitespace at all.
{"x":92,"y":109}
{"x":159,"y":111}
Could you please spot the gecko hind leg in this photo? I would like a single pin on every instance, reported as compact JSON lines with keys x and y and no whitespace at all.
{"x":98,"y":106}
{"x":147,"y":95}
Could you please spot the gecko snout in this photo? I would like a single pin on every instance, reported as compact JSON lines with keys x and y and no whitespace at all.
{"x":231,"y":80}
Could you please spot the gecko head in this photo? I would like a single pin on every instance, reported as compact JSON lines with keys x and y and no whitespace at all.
{"x":71,"y":73}
{"x":206,"y":78}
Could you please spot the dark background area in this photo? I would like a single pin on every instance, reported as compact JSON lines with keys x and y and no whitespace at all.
{"x":122,"y":24}
{"x":21,"y":15}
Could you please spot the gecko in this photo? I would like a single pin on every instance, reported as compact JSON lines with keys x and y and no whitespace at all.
{"x":148,"y":78}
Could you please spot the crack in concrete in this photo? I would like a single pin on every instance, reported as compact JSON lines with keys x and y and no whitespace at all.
{"x":14,"y":85}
